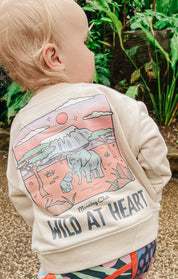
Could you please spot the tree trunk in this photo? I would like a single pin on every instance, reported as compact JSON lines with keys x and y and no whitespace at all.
{"x":42,"y":191}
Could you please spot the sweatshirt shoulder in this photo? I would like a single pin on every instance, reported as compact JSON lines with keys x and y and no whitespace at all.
{"x":122,"y":102}
{"x":16,"y":125}
{"x":119,"y":101}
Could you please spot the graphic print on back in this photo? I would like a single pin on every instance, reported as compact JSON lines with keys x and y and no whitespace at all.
{"x":70,"y":155}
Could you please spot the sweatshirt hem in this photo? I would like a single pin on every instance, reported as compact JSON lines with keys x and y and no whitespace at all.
{"x":113,"y":246}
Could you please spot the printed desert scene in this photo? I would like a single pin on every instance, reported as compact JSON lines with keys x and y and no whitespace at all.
{"x":66,"y":158}
{"x":116,"y":175}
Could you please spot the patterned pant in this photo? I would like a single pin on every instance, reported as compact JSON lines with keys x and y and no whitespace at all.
{"x":132,"y":266}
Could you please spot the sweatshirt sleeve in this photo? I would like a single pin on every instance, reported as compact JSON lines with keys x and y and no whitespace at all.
{"x":22,"y":204}
{"x":19,"y":198}
{"x":152,"y":155}
{"x":17,"y":192}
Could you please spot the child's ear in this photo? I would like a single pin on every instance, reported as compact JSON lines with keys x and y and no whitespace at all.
{"x":51,"y":57}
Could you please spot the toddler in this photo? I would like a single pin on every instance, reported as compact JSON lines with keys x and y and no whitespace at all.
{"x":86,"y":164}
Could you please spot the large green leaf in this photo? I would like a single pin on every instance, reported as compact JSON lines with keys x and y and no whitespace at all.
{"x":12,"y":90}
{"x":17,"y":103}
{"x":154,"y":42}
{"x":174,"y":51}
{"x":132,"y":91}
{"x":135,"y":76}
{"x":132,"y":51}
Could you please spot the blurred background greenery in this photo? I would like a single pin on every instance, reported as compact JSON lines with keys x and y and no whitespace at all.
{"x":136,"y":52}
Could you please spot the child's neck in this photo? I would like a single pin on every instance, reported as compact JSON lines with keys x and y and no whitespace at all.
{"x":41,"y":89}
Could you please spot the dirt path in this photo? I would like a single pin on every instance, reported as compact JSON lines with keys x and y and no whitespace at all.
{"x":17,"y":260}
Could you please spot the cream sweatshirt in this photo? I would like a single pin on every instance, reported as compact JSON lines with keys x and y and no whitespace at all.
{"x":86,"y":170}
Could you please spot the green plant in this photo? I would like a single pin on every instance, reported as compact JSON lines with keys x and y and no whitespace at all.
{"x":5,"y":81}
{"x":165,"y":106}
{"x":167,"y":7}
{"x":15,"y":98}
{"x":159,"y":21}
{"x":12,"y":98}
{"x":102,"y":74}
{"x":101,"y":38}
{"x":95,"y":42}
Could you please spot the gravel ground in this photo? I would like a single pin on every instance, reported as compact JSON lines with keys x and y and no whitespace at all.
{"x":18,"y":262}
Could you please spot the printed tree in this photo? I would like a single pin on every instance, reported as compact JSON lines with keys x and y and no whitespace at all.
{"x":103,"y":135}
{"x":33,"y":159}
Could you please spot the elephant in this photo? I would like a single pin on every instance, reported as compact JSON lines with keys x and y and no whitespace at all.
{"x":84,"y":162}
{"x":66,"y":184}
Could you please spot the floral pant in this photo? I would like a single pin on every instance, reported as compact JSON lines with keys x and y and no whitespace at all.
{"x":132,"y":266}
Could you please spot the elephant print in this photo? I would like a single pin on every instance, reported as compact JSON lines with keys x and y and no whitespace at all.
{"x":80,"y":149}
{"x":66,"y":184}
{"x":84,"y":163}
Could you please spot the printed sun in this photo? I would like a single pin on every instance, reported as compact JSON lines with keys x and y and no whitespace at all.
{"x":62,"y":118}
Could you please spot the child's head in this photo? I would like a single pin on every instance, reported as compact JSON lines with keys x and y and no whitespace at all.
{"x":42,"y":42}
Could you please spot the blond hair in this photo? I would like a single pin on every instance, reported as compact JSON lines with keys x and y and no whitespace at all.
{"x":26,"y":26}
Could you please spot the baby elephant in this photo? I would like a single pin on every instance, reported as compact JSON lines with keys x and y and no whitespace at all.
{"x":66,"y":184}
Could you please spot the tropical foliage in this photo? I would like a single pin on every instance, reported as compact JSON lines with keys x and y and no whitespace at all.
{"x":108,"y":19}
{"x":164,"y":102}
{"x":15,"y":99}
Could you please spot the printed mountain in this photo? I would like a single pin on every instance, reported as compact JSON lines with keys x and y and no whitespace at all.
{"x":69,"y":139}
